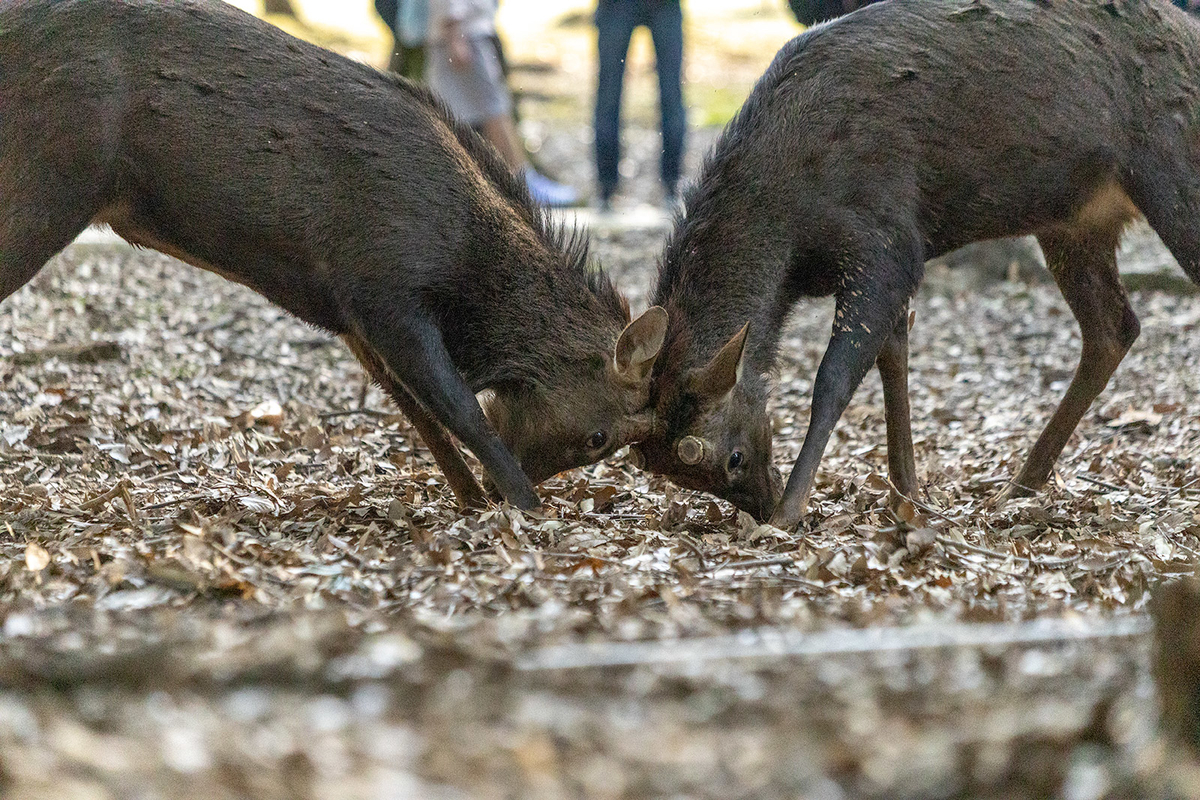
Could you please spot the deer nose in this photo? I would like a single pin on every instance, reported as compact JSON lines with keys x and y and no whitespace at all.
{"x":776,"y":481}
{"x":769,"y":493}
{"x":765,"y":509}
{"x":755,"y":502}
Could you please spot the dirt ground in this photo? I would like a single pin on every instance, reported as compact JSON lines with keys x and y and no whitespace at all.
{"x":225,"y":573}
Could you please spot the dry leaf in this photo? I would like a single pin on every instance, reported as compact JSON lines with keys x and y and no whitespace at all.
{"x":1134,"y":418}
{"x":920,"y":540}
{"x":37,"y":558}
{"x":268,"y":412}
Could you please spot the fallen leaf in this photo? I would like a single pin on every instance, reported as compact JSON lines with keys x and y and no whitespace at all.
{"x":268,"y":412}
{"x":1131,"y":418}
{"x":37,"y":558}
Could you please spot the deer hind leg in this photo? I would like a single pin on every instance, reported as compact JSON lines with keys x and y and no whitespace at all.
{"x":1084,"y":264}
{"x":36,"y":221}
{"x":1167,"y":191}
{"x":893,"y":371}
{"x":448,"y":458}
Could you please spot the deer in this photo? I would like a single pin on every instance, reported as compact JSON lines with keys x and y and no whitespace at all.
{"x":888,"y":137}
{"x":347,"y":196}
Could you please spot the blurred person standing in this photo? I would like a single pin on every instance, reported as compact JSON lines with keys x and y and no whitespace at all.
{"x":811,"y":12}
{"x":408,"y":21}
{"x":615,"y":22}
{"x":463,"y":67}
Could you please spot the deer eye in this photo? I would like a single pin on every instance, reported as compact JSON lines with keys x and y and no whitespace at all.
{"x":597,"y":440}
{"x":735,"y":460}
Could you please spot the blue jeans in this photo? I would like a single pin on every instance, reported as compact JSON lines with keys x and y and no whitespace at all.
{"x":615,"y":23}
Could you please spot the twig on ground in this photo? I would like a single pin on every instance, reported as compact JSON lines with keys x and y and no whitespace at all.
{"x":979,"y":569}
{"x":176,"y":501}
{"x":782,"y":561}
{"x":1083,"y":476}
{"x":689,"y":544}
{"x":1178,"y":489}
{"x":162,"y":476}
{"x":1050,"y":563}
{"x":1116,"y":564}
{"x":99,"y":500}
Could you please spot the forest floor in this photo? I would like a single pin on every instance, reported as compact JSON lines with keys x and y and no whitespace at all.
{"x":223,"y":575}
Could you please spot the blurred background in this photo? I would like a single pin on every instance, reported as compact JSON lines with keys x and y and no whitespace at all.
{"x":551,"y":50}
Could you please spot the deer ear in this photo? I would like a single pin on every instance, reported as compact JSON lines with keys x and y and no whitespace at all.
{"x":724,"y":371}
{"x":640,"y":344}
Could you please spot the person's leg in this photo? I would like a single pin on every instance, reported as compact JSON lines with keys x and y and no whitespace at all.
{"x":666,"y":28}
{"x":614,"y":26}
{"x":408,"y":61}
{"x":502,"y":135}
{"x":475,"y":93}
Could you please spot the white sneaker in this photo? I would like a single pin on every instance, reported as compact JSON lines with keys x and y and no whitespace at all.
{"x":548,"y":192}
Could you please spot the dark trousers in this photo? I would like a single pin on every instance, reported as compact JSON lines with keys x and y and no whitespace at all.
{"x":408,"y":61}
{"x":810,"y":12}
{"x":615,"y":22}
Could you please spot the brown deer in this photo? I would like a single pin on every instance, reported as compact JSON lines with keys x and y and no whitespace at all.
{"x":343,"y":194}
{"x":891,"y":136}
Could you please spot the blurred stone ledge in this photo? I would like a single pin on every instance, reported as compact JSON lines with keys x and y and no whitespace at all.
{"x":774,"y":644}
{"x":319,"y":649}
{"x":1144,"y":262}
{"x":1023,"y":711}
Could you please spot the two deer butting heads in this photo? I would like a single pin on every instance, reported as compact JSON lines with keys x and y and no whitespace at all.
{"x":374,"y":215}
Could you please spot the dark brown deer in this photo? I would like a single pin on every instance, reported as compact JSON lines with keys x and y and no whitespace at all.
{"x":343,"y":194}
{"x":891,"y":136}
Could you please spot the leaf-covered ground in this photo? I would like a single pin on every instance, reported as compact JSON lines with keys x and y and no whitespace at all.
{"x":167,"y":434}
{"x":187,"y":475}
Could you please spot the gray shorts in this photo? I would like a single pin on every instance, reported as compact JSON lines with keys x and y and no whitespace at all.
{"x":475,"y":94}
